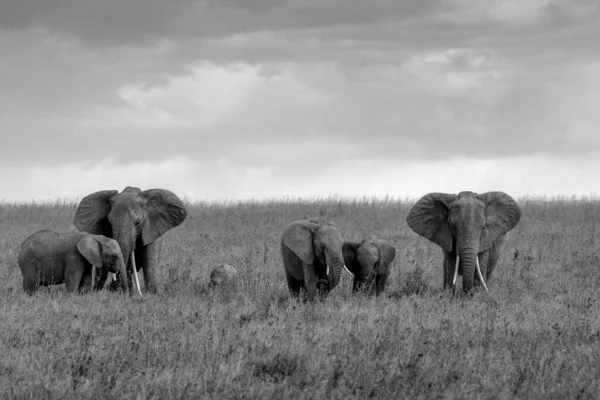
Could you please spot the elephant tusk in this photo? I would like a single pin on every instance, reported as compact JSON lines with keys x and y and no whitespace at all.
{"x":347,"y":270}
{"x":455,"y":271}
{"x":479,"y":273}
{"x":113,"y":276}
{"x":328,"y":270}
{"x":137,"y":282}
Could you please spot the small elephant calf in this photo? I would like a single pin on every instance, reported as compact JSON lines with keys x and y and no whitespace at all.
{"x":51,"y":258}
{"x":312,"y":257}
{"x":370,"y":263}
{"x":223,"y":275}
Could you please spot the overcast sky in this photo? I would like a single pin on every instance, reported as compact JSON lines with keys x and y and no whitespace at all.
{"x":238,"y":99}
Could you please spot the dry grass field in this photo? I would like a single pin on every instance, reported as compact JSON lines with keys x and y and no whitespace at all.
{"x":536,"y":334}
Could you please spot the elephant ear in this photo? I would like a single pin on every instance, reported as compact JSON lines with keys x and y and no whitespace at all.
{"x":387,"y":252}
{"x":429,"y":218}
{"x":350,"y":260}
{"x":501,"y":215}
{"x":165,"y":211}
{"x":109,"y":245}
{"x":92,"y":213}
{"x":90,"y":249}
{"x":298,"y":237}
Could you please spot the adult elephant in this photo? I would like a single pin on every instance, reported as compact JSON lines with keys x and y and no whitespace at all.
{"x":370,"y":263}
{"x":470,"y":228}
{"x":135,"y":219}
{"x":51,"y":258}
{"x":312,"y":257}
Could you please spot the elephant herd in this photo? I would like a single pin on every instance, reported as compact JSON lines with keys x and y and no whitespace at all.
{"x":128,"y":223}
{"x":118,"y":233}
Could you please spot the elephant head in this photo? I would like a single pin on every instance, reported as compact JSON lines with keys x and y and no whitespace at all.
{"x":223,"y":275}
{"x":367,"y":260}
{"x":104,"y":254}
{"x":467,"y":223}
{"x":133,"y":217}
{"x":316,"y":242}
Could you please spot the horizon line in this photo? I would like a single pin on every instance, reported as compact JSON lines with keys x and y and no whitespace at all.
{"x":64,"y":201}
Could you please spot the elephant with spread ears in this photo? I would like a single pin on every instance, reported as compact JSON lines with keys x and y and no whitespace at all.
{"x":135,"y":218}
{"x":470,"y":228}
{"x":312,"y":257}
{"x":51,"y":258}
{"x":370,"y":261}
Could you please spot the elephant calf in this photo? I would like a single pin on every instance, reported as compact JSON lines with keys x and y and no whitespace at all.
{"x":51,"y":258}
{"x":223,"y":275}
{"x":370,"y":263}
{"x":312,"y":257}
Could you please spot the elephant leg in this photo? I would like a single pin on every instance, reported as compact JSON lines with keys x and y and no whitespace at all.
{"x":85,"y":285}
{"x":294,"y":285}
{"x":73,"y":280}
{"x":356,"y":285}
{"x":494,"y":256}
{"x":449,"y":268}
{"x":310,"y":281}
{"x":30,"y":284}
{"x":446,"y":269}
{"x":380,"y":282}
{"x":146,"y":258}
{"x":31,"y":280}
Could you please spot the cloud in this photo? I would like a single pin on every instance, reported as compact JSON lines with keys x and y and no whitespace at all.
{"x":117,"y":22}
{"x":505,"y":11}
{"x":294,"y":93}
{"x":457,"y":102}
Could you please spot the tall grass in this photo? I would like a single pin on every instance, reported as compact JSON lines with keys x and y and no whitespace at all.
{"x":535,"y":335}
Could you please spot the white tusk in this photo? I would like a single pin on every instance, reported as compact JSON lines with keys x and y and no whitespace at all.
{"x":328,"y":270}
{"x":479,"y":272}
{"x":455,"y":270}
{"x":137,"y":282}
{"x":348,"y":271}
{"x":113,"y":276}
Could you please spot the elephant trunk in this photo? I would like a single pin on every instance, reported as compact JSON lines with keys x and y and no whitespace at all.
{"x":468,"y":249}
{"x":126,"y":241}
{"x":468,"y":263}
{"x":120,"y":268}
{"x":335,"y":263}
{"x":468,"y":253}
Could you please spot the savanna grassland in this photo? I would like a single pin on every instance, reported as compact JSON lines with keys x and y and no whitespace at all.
{"x":536,"y":334}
